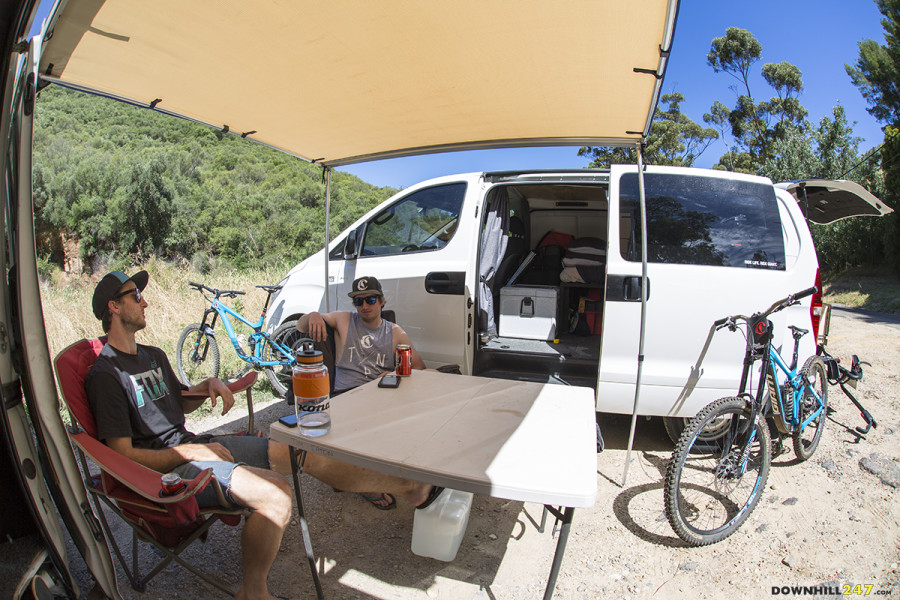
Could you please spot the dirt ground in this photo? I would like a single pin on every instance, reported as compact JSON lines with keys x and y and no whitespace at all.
{"x":829,"y":525}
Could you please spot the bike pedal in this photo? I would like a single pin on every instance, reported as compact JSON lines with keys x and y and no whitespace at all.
{"x":778,"y":448}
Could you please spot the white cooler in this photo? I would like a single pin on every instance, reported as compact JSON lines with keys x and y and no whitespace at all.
{"x":528,"y":312}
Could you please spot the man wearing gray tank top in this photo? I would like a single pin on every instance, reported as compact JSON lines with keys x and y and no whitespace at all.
{"x":364,"y":346}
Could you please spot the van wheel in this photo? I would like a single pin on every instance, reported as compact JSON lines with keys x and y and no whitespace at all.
{"x":707,"y":441}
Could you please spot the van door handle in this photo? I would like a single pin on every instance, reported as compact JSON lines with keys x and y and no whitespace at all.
{"x":453,"y":282}
{"x":625,"y":288}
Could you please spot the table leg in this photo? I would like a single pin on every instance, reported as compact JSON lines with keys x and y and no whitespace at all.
{"x":566,"y":518}
{"x":297,"y":459}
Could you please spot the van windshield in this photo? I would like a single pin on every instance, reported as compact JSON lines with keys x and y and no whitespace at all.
{"x":696,"y":220}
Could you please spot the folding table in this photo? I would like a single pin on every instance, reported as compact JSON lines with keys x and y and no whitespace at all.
{"x":516,"y":440}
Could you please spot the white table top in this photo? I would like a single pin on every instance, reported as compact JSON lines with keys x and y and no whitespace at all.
{"x":517,"y":440}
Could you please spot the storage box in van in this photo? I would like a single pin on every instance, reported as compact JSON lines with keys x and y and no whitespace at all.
{"x":529,"y":312}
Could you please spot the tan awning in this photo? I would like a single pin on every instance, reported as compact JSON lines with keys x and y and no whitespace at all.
{"x":344,"y":81}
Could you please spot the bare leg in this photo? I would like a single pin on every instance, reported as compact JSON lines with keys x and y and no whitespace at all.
{"x":268,"y":495}
{"x":347,"y":477}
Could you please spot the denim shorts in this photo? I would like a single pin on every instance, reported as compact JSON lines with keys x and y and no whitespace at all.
{"x":246,"y":450}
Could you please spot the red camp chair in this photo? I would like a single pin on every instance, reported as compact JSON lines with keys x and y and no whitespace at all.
{"x":132,"y":491}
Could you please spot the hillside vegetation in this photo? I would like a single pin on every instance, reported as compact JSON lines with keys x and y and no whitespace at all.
{"x":120,"y":183}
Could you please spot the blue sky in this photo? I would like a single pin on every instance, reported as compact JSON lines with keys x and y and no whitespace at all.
{"x":818,"y":36}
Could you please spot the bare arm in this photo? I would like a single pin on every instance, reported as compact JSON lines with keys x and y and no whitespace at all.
{"x":214,"y":389}
{"x":400,"y":337}
{"x":166,"y":459}
{"x":314,"y":323}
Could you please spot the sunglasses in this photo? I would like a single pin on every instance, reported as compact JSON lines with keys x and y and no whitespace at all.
{"x":367,"y":299}
{"x":135,"y":291}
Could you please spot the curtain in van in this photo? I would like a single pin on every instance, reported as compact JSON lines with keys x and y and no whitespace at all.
{"x":493,"y":247}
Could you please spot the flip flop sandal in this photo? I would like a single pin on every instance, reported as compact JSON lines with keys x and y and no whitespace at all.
{"x":374,"y":500}
{"x":432,"y":496}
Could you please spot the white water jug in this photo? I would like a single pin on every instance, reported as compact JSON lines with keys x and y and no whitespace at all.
{"x":438,"y":529}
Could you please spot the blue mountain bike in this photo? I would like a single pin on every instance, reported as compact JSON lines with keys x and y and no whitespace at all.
{"x":197,"y":352}
{"x":719,"y":468}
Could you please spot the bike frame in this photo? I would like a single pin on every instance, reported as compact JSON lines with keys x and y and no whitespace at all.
{"x":221,"y":310}
{"x":798,"y":385}
{"x":769,"y":379}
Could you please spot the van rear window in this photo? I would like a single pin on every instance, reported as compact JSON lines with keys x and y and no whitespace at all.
{"x":695,"y":220}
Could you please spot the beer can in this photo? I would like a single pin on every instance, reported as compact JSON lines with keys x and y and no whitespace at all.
{"x":171,"y":484}
{"x":404,"y":360}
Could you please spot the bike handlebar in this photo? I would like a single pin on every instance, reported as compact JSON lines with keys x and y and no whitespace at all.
{"x":731,"y":321}
{"x":217,"y":293}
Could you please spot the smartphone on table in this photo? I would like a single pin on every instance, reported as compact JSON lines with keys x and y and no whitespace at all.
{"x":391,"y":380}
{"x":288,"y":420}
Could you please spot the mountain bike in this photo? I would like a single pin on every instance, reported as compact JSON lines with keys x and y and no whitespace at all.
{"x":711,"y":488}
{"x":197,"y":352}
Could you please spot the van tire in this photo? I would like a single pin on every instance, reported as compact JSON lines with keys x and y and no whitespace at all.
{"x":280,"y":376}
{"x":676,"y":425}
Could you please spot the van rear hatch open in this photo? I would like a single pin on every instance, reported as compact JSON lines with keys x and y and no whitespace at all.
{"x":825,"y":201}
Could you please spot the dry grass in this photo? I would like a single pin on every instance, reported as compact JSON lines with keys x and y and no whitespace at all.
{"x":172,"y":305}
{"x":873,"y":289}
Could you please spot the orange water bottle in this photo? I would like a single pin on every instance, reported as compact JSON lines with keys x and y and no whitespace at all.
{"x":311,"y":392}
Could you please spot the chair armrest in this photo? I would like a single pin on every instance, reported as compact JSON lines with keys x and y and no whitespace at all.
{"x":141,"y":480}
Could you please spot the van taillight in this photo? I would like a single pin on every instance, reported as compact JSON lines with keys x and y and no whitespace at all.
{"x":815,"y":308}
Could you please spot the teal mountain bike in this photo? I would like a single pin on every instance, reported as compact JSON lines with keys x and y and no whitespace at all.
{"x":197,"y":352}
{"x":721,"y":461}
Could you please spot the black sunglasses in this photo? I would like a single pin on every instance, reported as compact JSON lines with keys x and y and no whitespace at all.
{"x":135,"y":291}
{"x":367,"y":299}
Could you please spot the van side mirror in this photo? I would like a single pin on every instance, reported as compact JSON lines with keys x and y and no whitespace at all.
{"x":350,"y":246}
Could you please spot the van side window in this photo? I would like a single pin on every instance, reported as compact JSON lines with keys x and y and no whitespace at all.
{"x":423,"y":221}
{"x":337,"y":253}
{"x":703,"y":221}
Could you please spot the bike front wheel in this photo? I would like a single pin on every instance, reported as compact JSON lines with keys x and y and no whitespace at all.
{"x":196,"y":355}
{"x":710,"y":492}
{"x":806,"y":440}
{"x":280,"y":375}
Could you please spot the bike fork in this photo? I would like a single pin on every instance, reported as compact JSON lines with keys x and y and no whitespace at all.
{"x":202,"y":332}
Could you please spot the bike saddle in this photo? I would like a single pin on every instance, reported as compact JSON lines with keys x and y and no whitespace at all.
{"x":798,"y":333}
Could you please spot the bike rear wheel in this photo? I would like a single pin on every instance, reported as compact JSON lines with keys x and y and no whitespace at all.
{"x":710,"y":492}
{"x":280,"y":375}
{"x":806,"y":440}
{"x":196,"y":355}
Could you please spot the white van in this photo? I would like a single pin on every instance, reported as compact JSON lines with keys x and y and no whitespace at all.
{"x":561,"y":302}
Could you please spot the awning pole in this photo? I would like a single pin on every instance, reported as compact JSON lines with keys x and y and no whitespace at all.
{"x":640,"y":365}
{"x":327,"y":229}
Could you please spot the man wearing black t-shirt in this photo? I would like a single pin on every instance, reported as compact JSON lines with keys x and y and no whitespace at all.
{"x":137,"y":403}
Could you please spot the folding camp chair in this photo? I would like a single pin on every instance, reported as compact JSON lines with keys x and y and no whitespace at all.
{"x":132,"y":491}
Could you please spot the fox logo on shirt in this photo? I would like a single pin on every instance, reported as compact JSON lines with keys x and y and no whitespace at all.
{"x":150,"y":382}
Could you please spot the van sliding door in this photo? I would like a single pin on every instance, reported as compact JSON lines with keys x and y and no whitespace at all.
{"x":715,"y":247}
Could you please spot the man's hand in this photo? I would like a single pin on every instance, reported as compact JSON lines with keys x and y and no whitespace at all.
{"x":315,"y":325}
{"x":217,"y":388}
{"x":214,"y":389}
{"x":198,"y":452}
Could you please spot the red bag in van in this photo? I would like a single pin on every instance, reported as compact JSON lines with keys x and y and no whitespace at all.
{"x":556,"y":238}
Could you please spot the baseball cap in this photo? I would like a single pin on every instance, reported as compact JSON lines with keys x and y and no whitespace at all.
{"x":110,"y":284}
{"x":365,"y":286}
